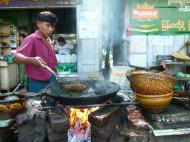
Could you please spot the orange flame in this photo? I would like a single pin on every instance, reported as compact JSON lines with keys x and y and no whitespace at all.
{"x":80,"y":115}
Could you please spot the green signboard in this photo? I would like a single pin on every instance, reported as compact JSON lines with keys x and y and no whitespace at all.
{"x":159,"y":17}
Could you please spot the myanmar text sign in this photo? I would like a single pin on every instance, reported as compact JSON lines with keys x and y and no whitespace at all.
{"x":159,"y":17}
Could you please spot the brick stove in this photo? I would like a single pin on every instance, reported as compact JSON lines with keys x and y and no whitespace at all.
{"x":173,"y":125}
{"x":51,"y":124}
{"x":109,"y":124}
{"x":104,"y":123}
{"x":58,"y":126}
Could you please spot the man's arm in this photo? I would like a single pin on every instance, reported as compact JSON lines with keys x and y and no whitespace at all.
{"x":22,"y":59}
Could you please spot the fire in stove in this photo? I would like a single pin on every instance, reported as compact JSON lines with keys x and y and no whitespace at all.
{"x":96,"y":95}
{"x":80,"y":128}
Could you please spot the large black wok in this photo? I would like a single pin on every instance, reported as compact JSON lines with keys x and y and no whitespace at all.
{"x":95,"y":93}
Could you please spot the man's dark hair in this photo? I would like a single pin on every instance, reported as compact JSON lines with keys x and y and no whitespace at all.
{"x":47,"y":16}
{"x":61,"y":39}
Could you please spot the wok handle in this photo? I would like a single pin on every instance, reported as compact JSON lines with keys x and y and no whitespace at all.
{"x":18,"y":86}
{"x":133,"y":66}
{"x":144,"y":68}
{"x":53,"y":72}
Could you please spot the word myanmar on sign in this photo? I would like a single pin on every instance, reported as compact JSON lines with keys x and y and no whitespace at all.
{"x":159,"y":17}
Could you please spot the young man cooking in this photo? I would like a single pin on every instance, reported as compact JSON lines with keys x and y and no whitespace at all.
{"x":37,"y":50}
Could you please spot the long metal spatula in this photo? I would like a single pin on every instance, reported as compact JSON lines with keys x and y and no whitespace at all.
{"x":54,"y":73}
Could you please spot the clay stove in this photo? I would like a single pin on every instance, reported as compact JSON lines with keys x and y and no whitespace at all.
{"x":108,"y":124}
{"x":86,"y":125}
{"x":172,"y":125}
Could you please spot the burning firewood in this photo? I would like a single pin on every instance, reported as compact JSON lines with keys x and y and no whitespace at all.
{"x":80,"y":130}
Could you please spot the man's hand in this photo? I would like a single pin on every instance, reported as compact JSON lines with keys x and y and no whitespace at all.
{"x":38,"y":61}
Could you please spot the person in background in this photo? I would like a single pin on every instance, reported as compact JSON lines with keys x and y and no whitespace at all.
{"x":37,"y":50}
{"x":62,"y":47}
{"x":22,"y":75}
{"x":22,"y":36}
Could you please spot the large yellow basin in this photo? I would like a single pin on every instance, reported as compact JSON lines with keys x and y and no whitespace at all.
{"x":154,"y":103}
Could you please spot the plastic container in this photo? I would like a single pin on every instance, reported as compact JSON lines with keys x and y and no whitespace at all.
{"x":9,"y":75}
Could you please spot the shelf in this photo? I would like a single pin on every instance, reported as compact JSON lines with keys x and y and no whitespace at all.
{"x":178,"y":63}
{"x":182,"y":93}
{"x":4,"y":35}
{"x":183,"y":79}
{"x":5,"y":47}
